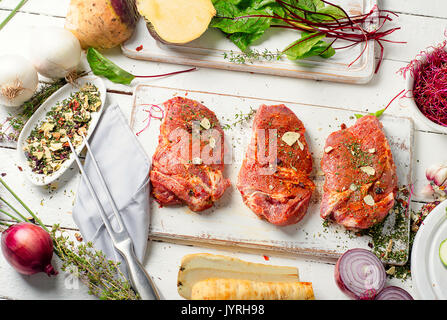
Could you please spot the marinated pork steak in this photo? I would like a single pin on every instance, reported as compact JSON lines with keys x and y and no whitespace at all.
{"x":275,"y":184}
{"x":361,"y":180}
{"x":187,"y":170}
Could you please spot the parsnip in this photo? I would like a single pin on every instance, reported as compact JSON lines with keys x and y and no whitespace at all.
{"x":176,"y":21}
{"x":202,"y":266}
{"x":237,"y":289}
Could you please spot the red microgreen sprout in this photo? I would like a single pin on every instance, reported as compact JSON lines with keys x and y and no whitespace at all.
{"x":154,"y":108}
{"x":429,"y":71}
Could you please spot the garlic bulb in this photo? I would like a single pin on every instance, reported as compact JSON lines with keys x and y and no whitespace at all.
{"x":56,"y":52}
{"x":18,"y":80}
{"x":437,"y":175}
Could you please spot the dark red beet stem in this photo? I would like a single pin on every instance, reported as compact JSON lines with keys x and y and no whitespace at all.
{"x":346,"y":28}
{"x":166,"y":74}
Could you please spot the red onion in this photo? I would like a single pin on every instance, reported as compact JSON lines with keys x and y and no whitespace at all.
{"x":360,"y":274}
{"x":393,"y":293}
{"x":28,"y":248}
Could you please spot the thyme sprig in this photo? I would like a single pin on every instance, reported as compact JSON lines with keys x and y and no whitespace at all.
{"x":103,"y":277}
{"x":10,"y":129}
{"x":240,"y":118}
{"x":252,"y":56}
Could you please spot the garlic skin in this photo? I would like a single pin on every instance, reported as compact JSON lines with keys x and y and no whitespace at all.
{"x":431,"y":171}
{"x":440,"y":176}
{"x":18,"y":80}
{"x":54,"y":51}
{"x":428,"y":191}
{"x":437,"y":174}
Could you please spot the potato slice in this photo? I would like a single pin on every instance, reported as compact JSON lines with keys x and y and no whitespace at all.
{"x":202,"y":266}
{"x":237,"y":289}
{"x":176,"y":21}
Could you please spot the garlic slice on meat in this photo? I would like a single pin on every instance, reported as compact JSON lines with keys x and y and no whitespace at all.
{"x":290,"y":137}
{"x":328,"y":149}
{"x":212,"y":142}
{"x":369,"y":200}
{"x":205,"y":123}
{"x":368,"y":170}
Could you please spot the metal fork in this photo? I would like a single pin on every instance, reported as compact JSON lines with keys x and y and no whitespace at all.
{"x":139,"y":278}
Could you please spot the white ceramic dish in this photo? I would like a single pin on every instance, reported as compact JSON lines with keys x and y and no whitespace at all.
{"x":40,"y":115}
{"x":428,"y":274}
{"x":412,"y":104}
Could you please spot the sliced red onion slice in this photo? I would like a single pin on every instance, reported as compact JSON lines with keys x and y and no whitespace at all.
{"x":393,"y":293}
{"x":360,"y":274}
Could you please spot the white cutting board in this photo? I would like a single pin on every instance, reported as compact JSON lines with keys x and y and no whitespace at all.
{"x":208,"y":51}
{"x":230,"y":222}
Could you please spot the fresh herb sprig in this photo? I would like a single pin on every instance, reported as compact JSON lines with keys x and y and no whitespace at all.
{"x":10,"y":129}
{"x":319,"y":22}
{"x":240,"y":118}
{"x":252,"y":56}
{"x":103,"y":277}
{"x":12,"y":14}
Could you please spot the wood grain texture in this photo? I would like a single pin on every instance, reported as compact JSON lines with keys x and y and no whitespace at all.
{"x":422,"y":23}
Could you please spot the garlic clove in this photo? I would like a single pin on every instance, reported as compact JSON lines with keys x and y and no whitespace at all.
{"x":427,"y":191}
{"x":431,"y":171}
{"x":440,"y":176}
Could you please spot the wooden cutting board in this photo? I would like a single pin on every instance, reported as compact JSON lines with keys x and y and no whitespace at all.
{"x":209,"y":50}
{"x":230,"y":222}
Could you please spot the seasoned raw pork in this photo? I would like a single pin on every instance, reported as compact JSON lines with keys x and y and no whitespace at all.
{"x":361,"y":181}
{"x":187,"y":170}
{"x":275,"y":185}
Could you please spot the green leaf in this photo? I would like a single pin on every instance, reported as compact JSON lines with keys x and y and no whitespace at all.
{"x":301,"y":47}
{"x":319,"y":4}
{"x":377,"y":114}
{"x":331,"y":11}
{"x":322,"y":49}
{"x":101,"y":66}
{"x":243,"y":40}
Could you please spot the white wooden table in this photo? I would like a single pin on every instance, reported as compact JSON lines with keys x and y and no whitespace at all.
{"x":423,"y":24}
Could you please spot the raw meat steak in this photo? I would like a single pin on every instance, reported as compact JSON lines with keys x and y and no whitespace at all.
{"x":187,"y":170}
{"x":275,"y":185}
{"x":361,"y":181}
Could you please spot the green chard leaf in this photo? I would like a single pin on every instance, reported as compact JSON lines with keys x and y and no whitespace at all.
{"x":242,"y":32}
{"x":328,"y":13}
{"x":377,"y":114}
{"x":310,"y":44}
{"x":101,"y":66}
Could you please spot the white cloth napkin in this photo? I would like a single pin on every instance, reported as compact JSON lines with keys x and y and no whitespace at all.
{"x":125,"y":167}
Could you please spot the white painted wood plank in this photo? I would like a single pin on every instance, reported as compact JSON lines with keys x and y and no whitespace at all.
{"x":162,"y":262}
{"x":431,"y":8}
{"x":373,"y":96}
{"x":418,"y":31}
{"x":56,"y":8}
